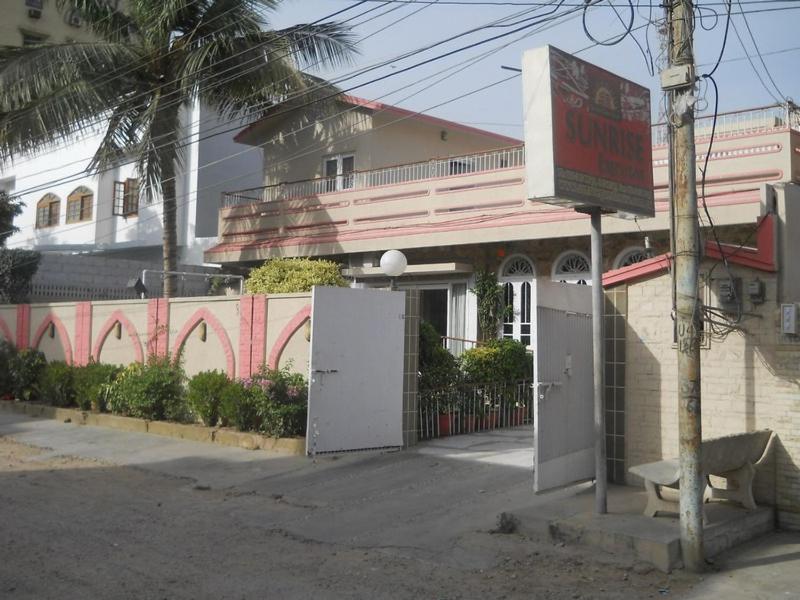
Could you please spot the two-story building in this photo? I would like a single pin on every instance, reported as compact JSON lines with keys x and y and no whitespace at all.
{"x":374,"y":177}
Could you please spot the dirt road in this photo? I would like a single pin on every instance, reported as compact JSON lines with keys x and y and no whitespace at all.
{"x":77,"y":528}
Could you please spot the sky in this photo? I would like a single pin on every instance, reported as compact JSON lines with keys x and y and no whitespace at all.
{"x":385,"y":36}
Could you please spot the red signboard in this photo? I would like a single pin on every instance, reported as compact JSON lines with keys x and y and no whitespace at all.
{"x":598,"y":126}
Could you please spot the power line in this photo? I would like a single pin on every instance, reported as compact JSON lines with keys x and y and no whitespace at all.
{"x":394,"y":73}
{"x":758,"y":52}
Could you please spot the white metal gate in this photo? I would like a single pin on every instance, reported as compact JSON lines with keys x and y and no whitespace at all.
{"x":355,"y":398}
{"x":563,"y":406}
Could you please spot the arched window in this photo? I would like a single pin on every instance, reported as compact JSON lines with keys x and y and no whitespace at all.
{"x":516,"y":276}
{"x":572,"y":267}
{"x":48,"y":211}
{"x":79,"y":205}
{"x":630,"y":256}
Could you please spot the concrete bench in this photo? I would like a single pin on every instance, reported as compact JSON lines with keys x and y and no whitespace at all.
{"x":732,"y":457}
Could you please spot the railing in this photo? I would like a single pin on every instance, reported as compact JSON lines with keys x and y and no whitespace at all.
{"x":728,"y":124}
{"x":440,"y":167}
{"x":736,"y":123}
{"x":468,"y":408}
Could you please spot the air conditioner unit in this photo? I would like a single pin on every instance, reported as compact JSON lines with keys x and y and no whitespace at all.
{"x":74,"y":19}
{"x":35,"y":13}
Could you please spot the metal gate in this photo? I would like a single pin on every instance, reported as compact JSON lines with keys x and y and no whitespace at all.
{"x":355,"y":398}
{"x":563,"y":406}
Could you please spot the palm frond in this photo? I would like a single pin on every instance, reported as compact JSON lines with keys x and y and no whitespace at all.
{"x":49,"y":93}
{"x":321,"y":45}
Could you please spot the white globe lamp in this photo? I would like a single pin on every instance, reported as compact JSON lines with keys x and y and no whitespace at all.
{"x":393,"y":263}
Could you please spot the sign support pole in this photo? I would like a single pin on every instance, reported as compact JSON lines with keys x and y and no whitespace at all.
{"x":598,"y":359}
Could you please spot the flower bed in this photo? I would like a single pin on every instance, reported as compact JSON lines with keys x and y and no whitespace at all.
{"x":272,"y":403}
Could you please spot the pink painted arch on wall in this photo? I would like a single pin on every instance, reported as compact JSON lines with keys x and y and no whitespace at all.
{"x":203,"y":314}
{"x":4,"y":329}
{"x":286,"y":334}
{"x":105,"y":330}
{"x":63,"y":336}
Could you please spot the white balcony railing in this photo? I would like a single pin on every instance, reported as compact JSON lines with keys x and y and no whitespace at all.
{"x":505,"y":158}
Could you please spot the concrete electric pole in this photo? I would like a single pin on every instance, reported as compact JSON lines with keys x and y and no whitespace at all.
{"x":679,"y":81}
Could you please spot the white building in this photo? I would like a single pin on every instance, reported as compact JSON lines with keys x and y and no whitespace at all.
{"x":70,"y":210}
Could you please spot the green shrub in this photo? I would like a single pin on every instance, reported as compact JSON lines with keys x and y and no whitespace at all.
{"x":151,"y":391}
{"x":57,"y":384}
{"x":239,"y":406}
{"x":499,"y":361}
{"x":437,"y":367}
{"x":274,"y":402}
{"x":27,"y":367}
{"x":205,"y":394}
{"x":289,"y":275}
{"x":7,"y":356}
{"x":284,"y":405}
{"x":93,"y":385}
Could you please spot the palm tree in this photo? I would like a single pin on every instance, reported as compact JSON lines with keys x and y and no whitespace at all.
{"x":150,"y":62}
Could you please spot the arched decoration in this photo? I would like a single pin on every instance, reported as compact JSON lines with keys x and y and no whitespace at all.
{"x":200,"y":316}
{"x":286,"y":334}
{"x":6,"y":331}
{"x":108,"y":326}
{"x":572,"y":266}
{"x":630,"y":256}
{"x":48,"y":211}
{"x":63,"y":336}
{"x":79,"y":204}
{"x":517,"y":266}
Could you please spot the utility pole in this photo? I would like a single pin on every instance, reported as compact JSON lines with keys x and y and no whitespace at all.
{"x":687,"y":264}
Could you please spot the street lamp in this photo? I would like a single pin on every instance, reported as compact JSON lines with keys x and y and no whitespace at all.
{"x":393,"y":264}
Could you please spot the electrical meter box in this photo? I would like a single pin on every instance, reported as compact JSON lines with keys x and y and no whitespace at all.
{"x":789,"y":319}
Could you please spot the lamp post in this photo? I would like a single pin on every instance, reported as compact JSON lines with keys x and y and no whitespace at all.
{"x":393,"y":264}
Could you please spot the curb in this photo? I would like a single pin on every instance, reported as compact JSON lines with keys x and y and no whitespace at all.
{"x":195,"y":433}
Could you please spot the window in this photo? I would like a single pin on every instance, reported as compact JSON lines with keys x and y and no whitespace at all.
{"x":572,"y":267}
{"x":338,"y":172}
{"x":47,"y":211}
{"x":459,"y":166}
{"x":32,"y":39}
{"x":516,"y":277}
{"x":630,"y":256}
{"x":126,"y":197}
{"x":79,"y":205}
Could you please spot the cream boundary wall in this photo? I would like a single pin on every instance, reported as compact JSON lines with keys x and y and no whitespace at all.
{"x":233,"y":335}
{"x":750,"y":381}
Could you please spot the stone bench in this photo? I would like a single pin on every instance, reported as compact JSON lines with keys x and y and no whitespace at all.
{"x":732,"y":457}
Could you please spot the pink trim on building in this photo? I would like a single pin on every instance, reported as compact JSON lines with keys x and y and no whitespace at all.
{"x":83,"y":333}
{"x":23,"y":326}
{"x":203,"y":314}
{"x":761,"y":258}
{"x":63,"y":336}
{"x":157,"y":327}
{"x":286,"y":334}
{"x":258,"y":340}
{"x":130,"y":329}
{"x":245,"y":333}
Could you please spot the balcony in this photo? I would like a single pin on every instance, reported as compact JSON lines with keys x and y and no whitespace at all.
{"x":481,"y":198}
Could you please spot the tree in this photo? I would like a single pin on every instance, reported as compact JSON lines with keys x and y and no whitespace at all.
{"x":17,"y":267}
{"x":148,"y":63}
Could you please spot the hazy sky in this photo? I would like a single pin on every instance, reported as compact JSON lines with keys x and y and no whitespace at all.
{"x":499,"y":108}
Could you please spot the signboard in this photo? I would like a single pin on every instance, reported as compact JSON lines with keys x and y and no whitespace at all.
{"x":587,"y":135}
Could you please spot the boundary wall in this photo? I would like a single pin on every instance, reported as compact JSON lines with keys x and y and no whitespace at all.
{"x":233,"y":335}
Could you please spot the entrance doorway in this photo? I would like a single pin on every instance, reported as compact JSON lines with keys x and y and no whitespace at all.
{"x":434,"y":309}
